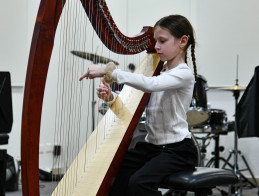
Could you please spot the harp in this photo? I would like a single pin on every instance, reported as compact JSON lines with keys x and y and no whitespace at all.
{"x":126,"y":115}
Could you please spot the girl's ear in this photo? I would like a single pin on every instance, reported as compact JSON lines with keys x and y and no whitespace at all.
{"x":183,"y":41}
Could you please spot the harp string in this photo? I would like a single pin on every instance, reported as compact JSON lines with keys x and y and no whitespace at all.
{"x":62,"y":121}
{"x":73,"y":100}
{"x":64,"y":124}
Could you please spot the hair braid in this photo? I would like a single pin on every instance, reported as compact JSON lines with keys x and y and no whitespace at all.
{"x":194,"y":69}
{"x":185,"y":58}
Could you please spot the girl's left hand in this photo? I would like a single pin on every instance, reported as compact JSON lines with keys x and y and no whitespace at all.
{"x":93,"y":71}
{"x":104,"y":91}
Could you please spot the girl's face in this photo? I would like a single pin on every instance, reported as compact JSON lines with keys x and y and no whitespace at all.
{"x":167,"y":46}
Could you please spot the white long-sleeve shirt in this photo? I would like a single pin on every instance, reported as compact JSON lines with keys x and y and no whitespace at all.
{"x":171,"y":94}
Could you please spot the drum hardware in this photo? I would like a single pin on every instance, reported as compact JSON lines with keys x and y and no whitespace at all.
{"x":218,"y":121}
{"x":205,"y":128}
{"x":242,"y":177}
{"x":210,"y":134}
{"x":231,"y":126}
{"x":214,"y":161}
{"x":202,"y":146}
{"x":235,"y":152}
{"x":220,"y":126}
{"x":236,"y":89}
{"x":216,"y":125}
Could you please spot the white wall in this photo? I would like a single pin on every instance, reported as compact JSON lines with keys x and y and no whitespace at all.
{"x":16,"y":20}
{"x":223,"y":29}
{"x":227,"y":29}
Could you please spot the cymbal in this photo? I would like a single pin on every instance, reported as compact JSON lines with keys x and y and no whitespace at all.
{"x":233,"y":88}
{"x":93,"y":57}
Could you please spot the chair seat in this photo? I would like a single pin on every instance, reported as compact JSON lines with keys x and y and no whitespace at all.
{"x":201,"y":177}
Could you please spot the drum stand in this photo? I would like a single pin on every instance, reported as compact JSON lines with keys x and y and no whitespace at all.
{"x":236,"y":152}
{"x":215,"y":161}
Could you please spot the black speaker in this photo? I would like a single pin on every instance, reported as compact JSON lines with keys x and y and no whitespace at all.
{"x":6,"y":109}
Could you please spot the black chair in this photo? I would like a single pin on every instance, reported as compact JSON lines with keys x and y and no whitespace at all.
{"x":200,"y":181}
{"x":6,"y":122}
{"x":3,"y":141}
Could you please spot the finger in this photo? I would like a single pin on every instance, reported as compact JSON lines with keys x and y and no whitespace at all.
{"x":84,"y":76}
{"x":105,"y":84}
{"x":101,"y":95}
{"x":100,"y":89}
{"x":102,"y":86}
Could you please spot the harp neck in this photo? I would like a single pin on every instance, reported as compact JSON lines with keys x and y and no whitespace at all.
{"x":105,"y":27}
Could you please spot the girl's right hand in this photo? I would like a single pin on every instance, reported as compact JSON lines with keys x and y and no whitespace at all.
{"x":104,"y":91}
{"x":93,"y":71}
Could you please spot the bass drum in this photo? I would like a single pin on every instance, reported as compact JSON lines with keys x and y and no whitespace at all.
{"x":198,"y":111}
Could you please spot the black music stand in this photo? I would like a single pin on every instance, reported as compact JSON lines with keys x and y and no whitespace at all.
{"x":6,"y":122}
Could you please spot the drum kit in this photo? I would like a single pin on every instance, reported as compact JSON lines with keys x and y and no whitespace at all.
{"x":200,"y":116}
{"x":202,"y":119}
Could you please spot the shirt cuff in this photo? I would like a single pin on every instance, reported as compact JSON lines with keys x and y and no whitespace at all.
{"x":109,"y":103}
{"x":114,"y":74}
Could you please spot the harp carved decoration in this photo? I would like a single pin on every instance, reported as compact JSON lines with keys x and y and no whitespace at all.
{"x":40,"y":54}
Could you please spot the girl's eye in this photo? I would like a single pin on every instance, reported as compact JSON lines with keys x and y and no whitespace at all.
{"x":162,"y":41}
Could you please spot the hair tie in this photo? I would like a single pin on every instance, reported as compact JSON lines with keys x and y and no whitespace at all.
{"x":108,"y":72}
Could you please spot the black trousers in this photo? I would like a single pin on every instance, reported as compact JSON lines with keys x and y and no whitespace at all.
{"x":146,"y":166}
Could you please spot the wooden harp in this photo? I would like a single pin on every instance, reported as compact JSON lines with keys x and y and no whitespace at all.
{"x":40,"y":53}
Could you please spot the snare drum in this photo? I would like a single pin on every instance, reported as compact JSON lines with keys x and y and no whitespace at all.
{"x":198,"y":111}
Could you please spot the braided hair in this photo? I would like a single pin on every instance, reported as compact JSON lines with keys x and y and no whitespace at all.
{"x":179,"y":26}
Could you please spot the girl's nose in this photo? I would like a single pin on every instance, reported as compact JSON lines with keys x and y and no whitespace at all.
{"x":157,"y":46}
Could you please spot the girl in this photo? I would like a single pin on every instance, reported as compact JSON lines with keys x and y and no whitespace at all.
{"x":168,"y":147}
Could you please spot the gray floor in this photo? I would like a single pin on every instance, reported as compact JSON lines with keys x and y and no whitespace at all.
{"x":46,"y":188}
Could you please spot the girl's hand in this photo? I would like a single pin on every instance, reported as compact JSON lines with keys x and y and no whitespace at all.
{"x":104,"y":91}
{"x":94,"y":71}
